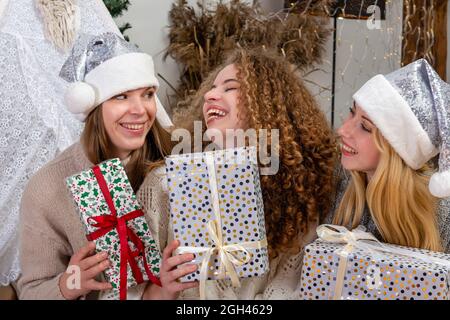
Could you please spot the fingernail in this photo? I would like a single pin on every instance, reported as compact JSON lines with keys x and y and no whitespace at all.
{"x":104,"y":254}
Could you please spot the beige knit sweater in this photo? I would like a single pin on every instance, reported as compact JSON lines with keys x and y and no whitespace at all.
{"x":50,"y":228}
{"x":280,"y":282}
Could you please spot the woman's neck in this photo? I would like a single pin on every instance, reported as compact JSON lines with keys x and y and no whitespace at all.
{"x":369,"y":176}
{"x":122,"y":155}
{"x":125,"y":160}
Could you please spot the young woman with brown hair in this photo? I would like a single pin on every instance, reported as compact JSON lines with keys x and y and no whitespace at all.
{"x":114,"y":92}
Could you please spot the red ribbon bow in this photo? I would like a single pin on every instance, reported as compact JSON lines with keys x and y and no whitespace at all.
{"x":106,"y":223}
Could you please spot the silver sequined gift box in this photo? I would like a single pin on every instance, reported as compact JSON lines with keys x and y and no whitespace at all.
{"x":216,"y":202}
{"x":373,"y":275}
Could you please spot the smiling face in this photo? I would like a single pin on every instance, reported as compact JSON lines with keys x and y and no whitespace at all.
{"x":220,"y":109}
{"x":128,"y":117}
{"x":359,"y":151}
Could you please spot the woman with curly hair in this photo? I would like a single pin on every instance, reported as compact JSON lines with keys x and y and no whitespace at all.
{"x":260,"y":90}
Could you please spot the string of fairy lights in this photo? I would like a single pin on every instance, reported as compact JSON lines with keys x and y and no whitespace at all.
{"x":362,"y":45}
{"x":363,"y":51}
{"x":425,"y":35}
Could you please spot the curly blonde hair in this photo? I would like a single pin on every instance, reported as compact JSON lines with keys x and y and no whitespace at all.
{"x":272,"y":96}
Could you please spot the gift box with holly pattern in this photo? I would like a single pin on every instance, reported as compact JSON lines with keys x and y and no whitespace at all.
{"x":105,"y":200}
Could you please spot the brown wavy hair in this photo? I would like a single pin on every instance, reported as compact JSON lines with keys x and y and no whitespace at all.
{"x":272,"y":96}
{"x":97,"y":146}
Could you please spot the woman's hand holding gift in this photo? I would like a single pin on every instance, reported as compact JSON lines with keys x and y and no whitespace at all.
{"x":87,"y":266}
{"x":171,"y":271}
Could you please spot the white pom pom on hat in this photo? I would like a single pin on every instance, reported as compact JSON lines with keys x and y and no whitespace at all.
{"x":80,"y":98}
{"x":440,"y":184}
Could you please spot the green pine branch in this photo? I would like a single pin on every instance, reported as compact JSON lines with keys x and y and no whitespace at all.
{"x":116,"y":9}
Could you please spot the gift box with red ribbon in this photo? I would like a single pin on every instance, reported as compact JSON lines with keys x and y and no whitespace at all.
{"x":113,"y":219}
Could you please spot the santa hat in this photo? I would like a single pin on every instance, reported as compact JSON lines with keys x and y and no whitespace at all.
{"x":100,"y":67}
{"x":411,"y":108}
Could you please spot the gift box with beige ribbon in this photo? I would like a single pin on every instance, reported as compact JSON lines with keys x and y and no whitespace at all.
{"x":217,"y":213}
{"x":354,"y":265}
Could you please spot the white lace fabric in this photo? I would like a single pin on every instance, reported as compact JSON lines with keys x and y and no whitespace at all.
{"x":34,"y":124}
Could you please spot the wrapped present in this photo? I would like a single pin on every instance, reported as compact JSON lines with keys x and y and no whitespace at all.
{"x":113,"y":219}
{"x":217,"y":213}
{"x":345,"y":264}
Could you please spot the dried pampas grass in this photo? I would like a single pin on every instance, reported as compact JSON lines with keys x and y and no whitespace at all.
{"x":200,"y":39}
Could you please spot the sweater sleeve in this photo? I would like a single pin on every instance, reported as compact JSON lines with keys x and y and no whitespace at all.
{"x":43,"y":254}
{"x":283,"y":284}
{"x":37,"y":281}
{"x":284,"y":280}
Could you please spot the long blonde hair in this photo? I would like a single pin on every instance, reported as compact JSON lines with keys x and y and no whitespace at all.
{"x":97,"y":146}
{"x":398,"y":199}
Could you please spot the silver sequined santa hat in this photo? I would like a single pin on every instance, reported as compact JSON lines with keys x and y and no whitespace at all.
{"x":411,"y":108}
{"x":100,"y":67}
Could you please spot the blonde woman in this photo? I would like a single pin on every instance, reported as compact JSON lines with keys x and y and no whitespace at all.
{"x":114,"y":93}
{"x":397,"y":126}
